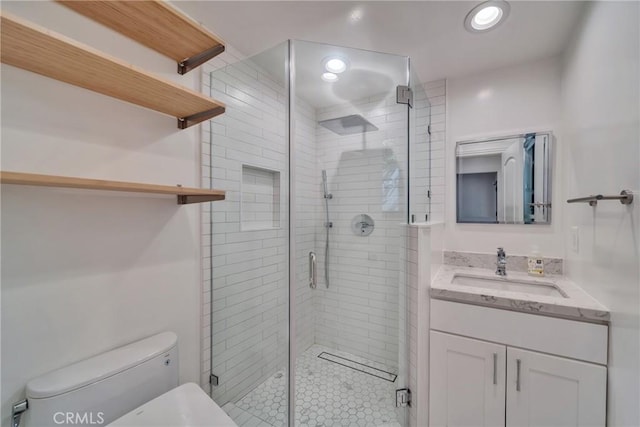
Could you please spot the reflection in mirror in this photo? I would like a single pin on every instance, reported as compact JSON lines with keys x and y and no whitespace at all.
{"x":504,"y":180}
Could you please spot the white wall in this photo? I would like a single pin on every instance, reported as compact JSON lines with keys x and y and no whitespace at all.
{"x":84,"y":272}
{"x":504,"y":102}
{"x":602,"y":150}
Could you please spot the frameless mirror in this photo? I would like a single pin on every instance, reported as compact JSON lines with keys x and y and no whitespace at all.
{"x":504,"y":180}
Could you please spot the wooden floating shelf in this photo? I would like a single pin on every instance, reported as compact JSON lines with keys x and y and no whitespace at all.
{"x":33,"y":48}
{"x":185,"y":195}
{"x":156,"y":25}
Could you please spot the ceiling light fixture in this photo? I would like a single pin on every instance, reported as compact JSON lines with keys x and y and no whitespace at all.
{"x":355,"y":15}
{"x":486,"y":16}
{"x":334,"y":64}
{"x":329,"y":77}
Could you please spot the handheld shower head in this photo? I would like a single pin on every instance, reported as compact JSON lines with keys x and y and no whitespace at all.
{"x":324,"y":183}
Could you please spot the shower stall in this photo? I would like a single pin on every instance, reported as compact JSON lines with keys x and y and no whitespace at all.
{"x":305,"y":261}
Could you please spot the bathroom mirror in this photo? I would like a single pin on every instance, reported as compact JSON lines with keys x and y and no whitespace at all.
{"x":504,"y":180}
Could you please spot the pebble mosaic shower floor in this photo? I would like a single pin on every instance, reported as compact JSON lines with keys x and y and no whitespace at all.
{"x":327,"y":394}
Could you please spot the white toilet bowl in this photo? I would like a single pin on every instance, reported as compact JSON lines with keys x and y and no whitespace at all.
{"x":183,"y":406}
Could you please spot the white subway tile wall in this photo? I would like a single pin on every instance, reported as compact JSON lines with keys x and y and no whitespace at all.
{"x":308,"y":199}
{"x":436,"y":93}
{"x":366,"y":172}
{"x":420,"y":117}
{"x":248,"y":268}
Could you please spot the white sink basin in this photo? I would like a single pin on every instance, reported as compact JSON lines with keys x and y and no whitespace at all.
{"x":537,"y":287}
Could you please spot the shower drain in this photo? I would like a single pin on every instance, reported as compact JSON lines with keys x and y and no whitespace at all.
{"x":358,"y":366}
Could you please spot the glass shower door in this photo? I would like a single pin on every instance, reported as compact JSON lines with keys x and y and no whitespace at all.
{"x":311,"y":287}
{"x":350,"y":201}
{"x":246,"y":152}
{"x":419,"y":153}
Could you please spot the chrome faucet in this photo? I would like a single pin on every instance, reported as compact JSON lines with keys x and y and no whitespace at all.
{"x":501,"y":263}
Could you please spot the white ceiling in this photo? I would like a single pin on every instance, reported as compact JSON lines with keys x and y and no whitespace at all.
{"x":430,"y":32}
{"x":368,"y":74}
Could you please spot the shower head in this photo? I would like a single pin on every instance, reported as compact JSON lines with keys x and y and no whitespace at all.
{"x":348,"y":125}
{"x":325,"y":185}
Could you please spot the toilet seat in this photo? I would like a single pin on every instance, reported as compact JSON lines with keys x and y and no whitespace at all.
{"x":184,"y":406}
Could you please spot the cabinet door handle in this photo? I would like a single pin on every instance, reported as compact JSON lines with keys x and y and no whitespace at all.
{"x":518,"y":363}
{"x":495,"y":368}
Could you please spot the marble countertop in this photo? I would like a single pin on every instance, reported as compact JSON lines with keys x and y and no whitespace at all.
{"x":577,"y":305}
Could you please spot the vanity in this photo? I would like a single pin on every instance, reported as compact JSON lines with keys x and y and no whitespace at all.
{"x":506,"y":348}
{"x":515,"y":351}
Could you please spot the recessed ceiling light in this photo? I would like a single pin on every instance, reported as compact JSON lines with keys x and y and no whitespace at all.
{"x":334,"y":64}
{"x":486,"y":16}
{"x":355,"y":15}
{"x":329,"y":77}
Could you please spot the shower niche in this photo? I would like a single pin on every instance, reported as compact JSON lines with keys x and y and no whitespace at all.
{"x":259,"y":198}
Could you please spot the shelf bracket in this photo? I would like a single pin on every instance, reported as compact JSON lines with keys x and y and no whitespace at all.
{"x":194,"y":119}
{"x":195,"y":61}
{"x":186,"y":200}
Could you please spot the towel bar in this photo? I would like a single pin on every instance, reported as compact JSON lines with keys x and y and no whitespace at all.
{"x":625,"y":197}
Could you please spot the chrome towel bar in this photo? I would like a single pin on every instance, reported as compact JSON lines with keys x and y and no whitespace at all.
{"x":625,"y":197}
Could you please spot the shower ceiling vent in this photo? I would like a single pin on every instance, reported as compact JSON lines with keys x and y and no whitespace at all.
{"x":348,"y":125}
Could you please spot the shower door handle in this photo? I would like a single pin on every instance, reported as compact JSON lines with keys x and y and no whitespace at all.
{"x":313,"y":276}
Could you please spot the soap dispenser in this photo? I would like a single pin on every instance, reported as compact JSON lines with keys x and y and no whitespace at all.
{"x":535,"y":263}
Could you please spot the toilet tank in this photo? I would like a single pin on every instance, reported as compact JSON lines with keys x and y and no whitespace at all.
{"x":98,"y":390}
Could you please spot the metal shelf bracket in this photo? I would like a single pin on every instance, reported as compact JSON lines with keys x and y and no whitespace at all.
{"x":194,"y":119}
{"x":195,"y":61}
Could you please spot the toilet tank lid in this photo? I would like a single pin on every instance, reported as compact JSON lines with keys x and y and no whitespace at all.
{"x":99,"y":367}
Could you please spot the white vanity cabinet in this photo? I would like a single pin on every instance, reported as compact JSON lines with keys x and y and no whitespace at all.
{"x":467,"y":381}
{"x":492,"y":367}
{"x":544,"y":390}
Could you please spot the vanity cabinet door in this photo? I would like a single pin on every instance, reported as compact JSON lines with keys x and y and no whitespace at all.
{"x":544,"y":390}
{"x":467,"y":382}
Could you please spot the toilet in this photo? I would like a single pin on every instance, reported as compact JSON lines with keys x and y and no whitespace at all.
{"x":135,"y":386}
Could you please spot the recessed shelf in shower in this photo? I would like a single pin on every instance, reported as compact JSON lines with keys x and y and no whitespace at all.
{"x":259,"y":198}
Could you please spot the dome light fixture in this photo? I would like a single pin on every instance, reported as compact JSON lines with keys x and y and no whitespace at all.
{"x":335,"y":64}
{"x":329,"y":77}
{"x":486,"y":16}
